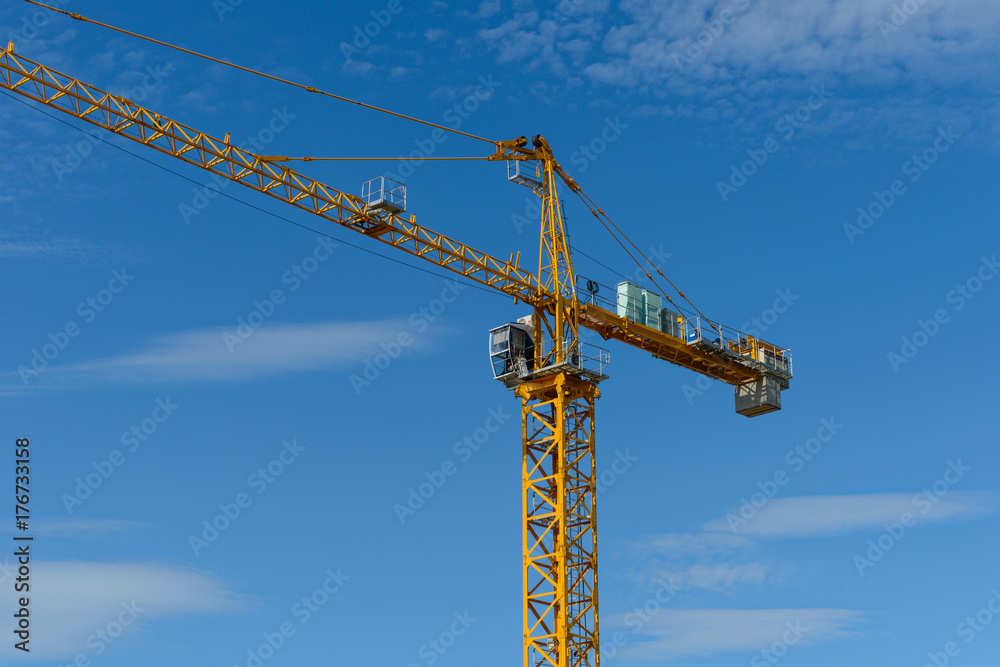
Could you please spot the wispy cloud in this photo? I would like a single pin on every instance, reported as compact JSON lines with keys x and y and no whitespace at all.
{"x":79,"y":598}
{"x":51,"y":248}
{"x":771,"y":37}
{"x":677,"y":633}
{"x":814,"y":516}
{"x":751,"y":60}
{"x":686,"y":543}
{"x":435,"y":34}
{"x":708,"y":561}
{"x":717,"y":559}
{"x":656,"y":42}
{"x":721,"y":576}
{"x":203,"y":355}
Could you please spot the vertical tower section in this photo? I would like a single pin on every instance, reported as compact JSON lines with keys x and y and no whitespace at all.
{"x":556,"y":323}
{"x":555,"y":267}
{"x":559,"y":522}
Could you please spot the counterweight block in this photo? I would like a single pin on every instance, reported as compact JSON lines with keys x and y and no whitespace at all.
{"x":759,"y":397}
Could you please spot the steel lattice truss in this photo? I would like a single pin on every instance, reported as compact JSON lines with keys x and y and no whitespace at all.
{"x":558,"y":476}
{"x":560,"y":517}
{"x":127,"y":119}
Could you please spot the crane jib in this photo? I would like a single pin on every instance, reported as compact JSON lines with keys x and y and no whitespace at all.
{"x":127,"y":119}
{"x":541,"y":357}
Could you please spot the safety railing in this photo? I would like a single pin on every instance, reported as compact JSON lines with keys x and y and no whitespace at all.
{"x":684,"y":325}
{"x":708,"y":335}
{"x":586,"y":356}
{"x":384,"y":193}
{"x":525,"y":172}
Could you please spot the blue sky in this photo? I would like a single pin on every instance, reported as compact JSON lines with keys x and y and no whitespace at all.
{"x":824,"y":172}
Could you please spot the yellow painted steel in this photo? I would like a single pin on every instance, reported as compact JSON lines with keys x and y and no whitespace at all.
{"x":559,"y":501}
{"x":558,"y":446}
{"x":553,"y":299}
{"x":129,"y":120}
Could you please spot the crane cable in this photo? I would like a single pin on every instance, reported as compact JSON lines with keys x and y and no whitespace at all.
{"x":590,"y":204}
{"x":285,"y":158}
{"x":583,"y":196}
{"x":253,"y":206}
{"x":310,"y":89}
{"x":627,"y":251}
{"x":601,"y":216}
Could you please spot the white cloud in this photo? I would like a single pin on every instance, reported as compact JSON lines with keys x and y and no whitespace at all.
{"x":51,"y":248}
{"x":545,"y":38}
{"x":205,"y":355}
{"x":435,"y":34}
{"x":675,"y":633}
{"x":707,"y":561}
{"x":488,"y":8}
{"x":763,"y":60}
{"x":673,"y":42}
{"x":399,"y":73}
{"x":72,"y":600}
{"x":812,"y":516}
{"x":684,"y":543}
{"x":519,"y":37}
{"x":717,"y":559}
{"x":719,"y":576}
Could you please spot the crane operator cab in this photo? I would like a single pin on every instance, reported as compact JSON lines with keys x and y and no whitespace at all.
{"x":512,"y":351}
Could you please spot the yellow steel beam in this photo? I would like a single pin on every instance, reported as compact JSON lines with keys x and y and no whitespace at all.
{"x":664,"y":346}
{"x":129,"y":120}
{"x":552,"y":300}
{"x":559,"y":516}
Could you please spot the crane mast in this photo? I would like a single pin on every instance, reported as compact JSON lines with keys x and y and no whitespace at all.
{"x":557,"y":389}
{"x":558,"y":473}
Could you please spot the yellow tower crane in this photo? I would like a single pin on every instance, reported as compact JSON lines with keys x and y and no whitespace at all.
{"x":541,"y":357}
